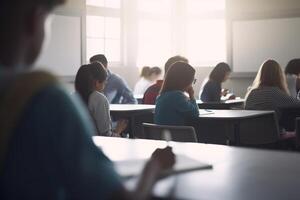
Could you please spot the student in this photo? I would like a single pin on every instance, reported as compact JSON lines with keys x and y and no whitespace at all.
{"x":173,"y":107}
{"x":153,"y":91}
{"x":155,"y":74}
{"x":292,"y":72}
{"x":269,"y":90}
{"x":46,"y":147}
{"x":144,"y":81}
{"x":212,"y":89}
{"x":116,"y":89}
{"x":89,"y":83}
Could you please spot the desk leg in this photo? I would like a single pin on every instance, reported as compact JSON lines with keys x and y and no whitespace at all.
{"x":132,"y":127}
{"x":237,"y":133}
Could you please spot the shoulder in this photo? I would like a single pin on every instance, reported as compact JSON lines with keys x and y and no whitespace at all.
{"x":97,"y":96}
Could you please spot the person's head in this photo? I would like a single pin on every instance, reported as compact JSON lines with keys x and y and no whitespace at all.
{"x":270,"y":74}
{"x":155,"y":73}
{"x":293,"y":67}
{"x":89,"y":78}
{"x":145,"y":73}
{"x":99,"y":58}
{"x":173,"y":60}
{"x":180,"y":76}
{"x":23,"y":30}
{"x":220,"y":73}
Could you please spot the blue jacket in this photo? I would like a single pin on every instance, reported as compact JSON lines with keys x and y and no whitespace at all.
{"x":174,"y":108}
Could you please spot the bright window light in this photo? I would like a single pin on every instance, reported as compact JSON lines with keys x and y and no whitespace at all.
{"x":103,"y":36}
{"x":104,"y":3}
{"x":155,"y":6}
{"x":206,"y":42}
{"x":154,"y":42}
{"x":198,"y":6}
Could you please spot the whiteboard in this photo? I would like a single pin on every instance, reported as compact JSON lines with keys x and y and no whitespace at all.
{"x":62,"y":53}
{"x":257,"y":40}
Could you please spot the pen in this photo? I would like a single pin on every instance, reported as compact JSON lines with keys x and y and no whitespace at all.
{"x":167,"y":137}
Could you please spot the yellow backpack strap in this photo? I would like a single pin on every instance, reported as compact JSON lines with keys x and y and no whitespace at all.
{"x":14,"y":101}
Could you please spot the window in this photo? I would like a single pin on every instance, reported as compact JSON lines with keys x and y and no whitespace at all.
{"x":103,"y":30}
{"x":148,"y":32}
{"x":205,"y":32}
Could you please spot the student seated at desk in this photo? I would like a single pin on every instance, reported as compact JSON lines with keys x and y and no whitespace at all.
{"x":148,"y":77}
{"x":173,"y":107}
{"x":269,"y":90}
{"x":292,"y":73}
{"x":89,"y":84}
{"x":152,"y":92}
{"x":45,"y":136}
{"x":116,"y":89}
{"x":212,"y":89}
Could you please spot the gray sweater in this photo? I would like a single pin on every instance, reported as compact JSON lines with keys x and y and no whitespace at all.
{"x":99,"y":109}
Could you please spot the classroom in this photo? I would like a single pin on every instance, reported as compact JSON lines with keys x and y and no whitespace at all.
{"x":150,"y":99}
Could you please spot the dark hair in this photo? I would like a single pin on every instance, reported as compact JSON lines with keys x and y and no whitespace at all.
{"x":219,"y":72}
{"x":145,"y":72}
{"x":155,"y":70}
{"x":85,"y":78}
{"x":99,"y":58}
{"x":178,"y":77}
{"x":293,"y":67}
{"x":173,"y":60}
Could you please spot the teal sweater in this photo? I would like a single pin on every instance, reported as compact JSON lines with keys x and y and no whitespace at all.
{"x":174,"y":108}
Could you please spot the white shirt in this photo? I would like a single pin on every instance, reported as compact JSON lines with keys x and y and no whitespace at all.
{"x":141,"y":86}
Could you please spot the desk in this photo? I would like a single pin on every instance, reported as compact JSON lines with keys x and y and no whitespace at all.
{"x":229,"y":104}
{"x":131,"y":112}
{"x":216,"y":121}
{"x":237,"y":174}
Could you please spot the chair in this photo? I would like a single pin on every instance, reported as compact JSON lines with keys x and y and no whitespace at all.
{"x":178,"y":133}
{"x":297,"y":125}
{"x":259,"y":131}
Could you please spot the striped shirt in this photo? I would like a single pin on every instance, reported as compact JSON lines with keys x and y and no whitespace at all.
{"x":270,"y":98}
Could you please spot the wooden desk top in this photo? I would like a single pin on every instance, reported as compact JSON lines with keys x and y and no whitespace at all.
{"x":237,"y":174}
{"x":131,"y":107}
{"x":232,"y":114}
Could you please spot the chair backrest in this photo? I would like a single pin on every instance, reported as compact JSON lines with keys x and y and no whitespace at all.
{"x":259,"y":130}
{"x":297,"y":125}
{"x":178,"y":133}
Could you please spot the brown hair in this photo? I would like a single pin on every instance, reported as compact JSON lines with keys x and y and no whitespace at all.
{"x":270,"y":74}
{"x":145,"y":72}
{"x":173,"y":60}
{"x":179,"y":76}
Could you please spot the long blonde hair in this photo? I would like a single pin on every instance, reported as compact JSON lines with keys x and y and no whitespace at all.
{"x":270,"y":74}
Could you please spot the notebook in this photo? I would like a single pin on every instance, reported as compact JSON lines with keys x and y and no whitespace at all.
{"x":132,"y":168}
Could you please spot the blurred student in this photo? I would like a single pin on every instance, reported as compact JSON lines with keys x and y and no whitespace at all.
{"x":269,"y":90}
{"x":212,"y":89}
{"x":292,"y":72}
{"x":144,"y":81}
{"x":89,"y":83}
{"x":173,"y":107}
{"x":116,"y":89}
{"x":152,"y":92}
{"x":45,"y":135}
{"x":148,"y":77}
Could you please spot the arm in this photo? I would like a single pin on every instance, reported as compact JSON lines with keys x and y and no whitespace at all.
{"x":126,"y":93}
{"x":188,"y":107}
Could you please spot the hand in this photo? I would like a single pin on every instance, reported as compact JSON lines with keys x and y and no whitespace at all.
{"x":232,"y":97}
{"x":121,"y":126}
{"x":190,"y":91}
{"x":165,"y":158}
{"x":224,"y":92}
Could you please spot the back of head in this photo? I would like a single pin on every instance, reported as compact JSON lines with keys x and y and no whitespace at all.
{"x":22,"y":29}
{"x":173,"y":60}
{"x":270,"y":74}
{"x":219,"y":72}
{"x":293,"y":67}
{"x":86,"y":77}
{"x":145,"y":72}
{"x":155,"y":70}
{"x":178,"y":77}
{"x":99,"y":58}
